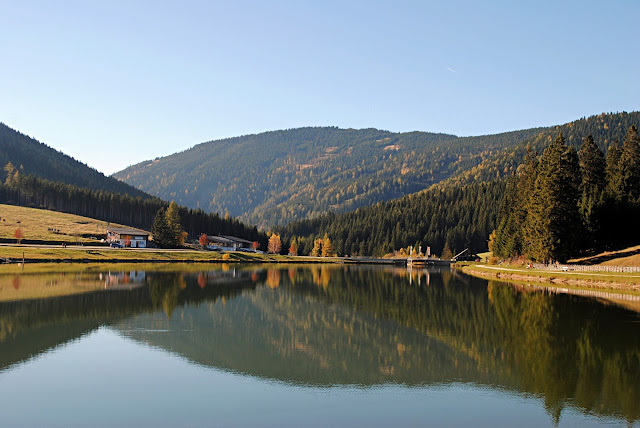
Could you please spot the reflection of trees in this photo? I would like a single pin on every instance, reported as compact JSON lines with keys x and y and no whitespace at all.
{"x":273,"y":278}
{"x":28,"y":327}
{"x":569,"y":349}
{"x":164,"y":291}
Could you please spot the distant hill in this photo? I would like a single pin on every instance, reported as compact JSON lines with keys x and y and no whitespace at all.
{"x":460,"y":211}
{"x":277,"y":177}
{"x":35,"y":158}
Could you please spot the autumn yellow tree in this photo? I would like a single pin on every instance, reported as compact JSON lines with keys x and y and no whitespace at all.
{"x":317,"y":248}
{"x":327,"y":247}
{"x":275,"y":244}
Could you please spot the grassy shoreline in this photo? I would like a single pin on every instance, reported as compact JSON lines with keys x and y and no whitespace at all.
{"x":621,"y":283}
{"x":13,"y":257}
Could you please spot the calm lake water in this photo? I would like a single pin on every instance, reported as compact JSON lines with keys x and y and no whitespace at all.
{"x":309,"y":346}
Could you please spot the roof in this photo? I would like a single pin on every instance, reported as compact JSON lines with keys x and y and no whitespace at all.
{"x":127,"y":231}
{"x":220,"y":240}
{"x":224,"y":239}
{"x":240,"y":240}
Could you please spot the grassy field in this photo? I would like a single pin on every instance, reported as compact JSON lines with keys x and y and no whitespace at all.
{"x":45,"y":225}
{"x":56,"y":258}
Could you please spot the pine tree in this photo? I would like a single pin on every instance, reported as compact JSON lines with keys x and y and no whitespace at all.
{"x":613,"y":171}
{"x":527,"y":175}
{"x":630,"y":165}
{"x":174,"y":224}
{"x":162,"y":235}
{"x":592,"y":167}
{"x":512,"y":237}
{"x":554,"y":218}
{"x":592,"y":186}
{"x":447,"y":254}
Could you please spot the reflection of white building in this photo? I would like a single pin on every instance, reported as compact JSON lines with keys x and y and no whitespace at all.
{"x":124,"y":280}
{"x":127,"y":237}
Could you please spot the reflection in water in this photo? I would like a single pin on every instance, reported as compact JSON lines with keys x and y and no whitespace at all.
{"x":337,"y":325}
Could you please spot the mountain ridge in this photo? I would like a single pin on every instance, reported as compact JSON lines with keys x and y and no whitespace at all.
{"x":30,"y":156}
{"x":287,"y":175}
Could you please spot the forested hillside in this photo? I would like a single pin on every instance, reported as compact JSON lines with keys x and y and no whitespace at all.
{"x":459,"y":215}
{"x":281,"y":176}
{"x":461,"y":211}
{"x":604,"y":128}
{"x":32,"y":157}
{"x":31,"y":191}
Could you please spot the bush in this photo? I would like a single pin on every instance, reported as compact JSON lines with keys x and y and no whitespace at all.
{"x":493,"y":260}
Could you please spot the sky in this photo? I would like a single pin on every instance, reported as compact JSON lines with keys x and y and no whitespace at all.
{"x":113,"y":83}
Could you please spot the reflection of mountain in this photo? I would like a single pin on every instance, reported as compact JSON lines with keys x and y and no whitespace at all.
{"x":325,"y":325}
{"x":295,"y":337}
{"x":29,"y":327}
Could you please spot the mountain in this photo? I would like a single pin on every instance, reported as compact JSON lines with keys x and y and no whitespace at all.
{"x":280,"y":176}
{"x":32,"y":157}
{"x":460,"y":211}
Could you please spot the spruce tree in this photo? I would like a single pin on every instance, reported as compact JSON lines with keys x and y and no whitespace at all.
{"x":554,"y":219}
{"x":592,"y":166}
{"x":527,"y":175}
{"x":174,"y":224}
{"x":592,"y":186}
{"x":630,"y":165}
{"x":160,"y":229}
{"x":613,"y":171}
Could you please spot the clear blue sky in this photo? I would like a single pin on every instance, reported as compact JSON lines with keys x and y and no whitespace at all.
{"x":113,"y":83}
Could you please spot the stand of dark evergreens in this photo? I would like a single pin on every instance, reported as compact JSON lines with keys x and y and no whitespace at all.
{"x":460,"y":215}
{"x":566,"y":202}
{"x":29,"y":191}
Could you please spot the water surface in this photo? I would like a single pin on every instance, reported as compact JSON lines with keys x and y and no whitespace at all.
{"x":314,"y":346}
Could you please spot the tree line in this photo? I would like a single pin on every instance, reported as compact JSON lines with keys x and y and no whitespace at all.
{"x":38,"y":159}
{"x":566,"y":201}
{"x":27,"y":190}
{"x":460,"y":216}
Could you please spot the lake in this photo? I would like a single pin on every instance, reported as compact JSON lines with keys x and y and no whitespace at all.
{"x":320,"y":345}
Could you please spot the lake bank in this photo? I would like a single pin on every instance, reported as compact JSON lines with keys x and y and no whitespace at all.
{"x":618,"y":288}
{"x":12,"y":257}
{"x":603,"y":281}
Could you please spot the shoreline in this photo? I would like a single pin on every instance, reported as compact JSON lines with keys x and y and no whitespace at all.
{"x":587,"y":281}
{"x":624,"y":294}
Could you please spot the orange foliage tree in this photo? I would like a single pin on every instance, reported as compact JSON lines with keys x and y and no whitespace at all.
{"x":18,"y":235}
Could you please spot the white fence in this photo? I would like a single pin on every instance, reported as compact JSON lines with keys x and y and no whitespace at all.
{"x":587,"y":268}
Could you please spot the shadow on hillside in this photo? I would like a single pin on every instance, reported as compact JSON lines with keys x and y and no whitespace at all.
{"x":604,"y":257}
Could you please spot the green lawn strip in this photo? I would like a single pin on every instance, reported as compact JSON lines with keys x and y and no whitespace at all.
{"x":34,"y":255}
{"x":545,"y":277}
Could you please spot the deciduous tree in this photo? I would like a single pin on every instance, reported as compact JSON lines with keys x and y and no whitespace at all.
{"x":203,"y":240}
{"x":327,"y":247}
{"x":18,"y":235}
{"x":275,"y":244}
